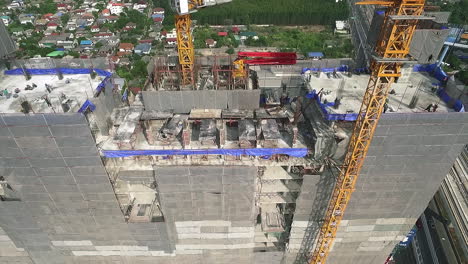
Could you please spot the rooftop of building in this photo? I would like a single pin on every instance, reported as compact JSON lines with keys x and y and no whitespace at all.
{"x":351,"y":89}
{"x":72,"y":90}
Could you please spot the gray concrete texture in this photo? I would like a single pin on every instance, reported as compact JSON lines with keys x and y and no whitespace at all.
{"x":52,"y":164}
{"x":406,"y":163}
{"x":184,"y":101}
{"x":207,"y":193}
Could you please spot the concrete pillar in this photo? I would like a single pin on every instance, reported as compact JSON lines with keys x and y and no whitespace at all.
{"x":443,"y":54}
{"x":186,"y":134}
{"x":222,"y":132}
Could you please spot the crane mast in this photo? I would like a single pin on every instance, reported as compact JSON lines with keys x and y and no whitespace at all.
{"x":183,"y":23}
{"x":390,"y":52}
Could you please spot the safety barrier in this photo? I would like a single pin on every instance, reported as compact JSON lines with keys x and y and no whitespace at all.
{"x":87,"y":103}
{"x":433,"y":70}
{"x":258,"y":152}
{"x":332,"y":117}
{"x":342,"y":68}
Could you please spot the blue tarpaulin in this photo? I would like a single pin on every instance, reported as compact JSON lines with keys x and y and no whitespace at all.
{"x":315,"y":54}
{"x":259,"y":152}
{"x":20,"y":71}
{"x":457,"y":105}
{"x":100,"y":72}
{"x":433,"y":70}
{"x":332,"y":117}
{"x":125,"y":95}
{"x":87,"y":104}
{"x":342,"y":68}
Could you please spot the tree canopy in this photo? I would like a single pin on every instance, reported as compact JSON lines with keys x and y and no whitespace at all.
{"x":277,"y":12}
{"x":459,"y":12}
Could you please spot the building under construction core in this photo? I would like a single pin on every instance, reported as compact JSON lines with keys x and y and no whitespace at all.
{"x":217,"y":174}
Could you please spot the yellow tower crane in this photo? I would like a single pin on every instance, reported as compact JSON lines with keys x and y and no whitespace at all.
{"x":390,"y":52}
{"x":183,"y":23}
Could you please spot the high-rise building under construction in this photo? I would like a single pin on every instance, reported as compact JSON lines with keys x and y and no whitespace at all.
{"x":224,"y":170}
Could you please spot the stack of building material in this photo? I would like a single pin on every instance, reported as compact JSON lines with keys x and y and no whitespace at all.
{"x":271,"y":134}
{"x":125,"y":134}
{"x":272,"y":218}
{"x":247,"y":135}
{"x":208,"y":132}
{"x":237,"y":114}
{"x":172,"y":128}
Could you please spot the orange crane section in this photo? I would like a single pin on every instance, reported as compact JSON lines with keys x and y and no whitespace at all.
{"x":391,"y":50}
{"x":183,"y":24}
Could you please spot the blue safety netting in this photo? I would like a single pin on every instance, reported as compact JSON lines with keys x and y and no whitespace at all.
{"x":87,"y":104}
{"x":342,"y":68}
{"x":20,"y":71}
{"x":106,"y":74}
{"x":457,"y":105}
{"x":324,"y":107}
{"x":433,"y":70}
{"x":125,"y":95}
{"x":259,"y":152}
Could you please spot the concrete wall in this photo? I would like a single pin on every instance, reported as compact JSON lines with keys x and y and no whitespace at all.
{"x":184,"y":101}
{"x":66,"y":206}
{"x":407,"y":161}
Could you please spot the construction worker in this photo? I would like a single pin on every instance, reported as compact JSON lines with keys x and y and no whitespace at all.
{"x":429,"y":107}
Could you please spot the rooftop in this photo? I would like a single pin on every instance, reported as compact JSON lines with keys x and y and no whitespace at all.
{"x":79,"y":88}
{"x":351,"y":91}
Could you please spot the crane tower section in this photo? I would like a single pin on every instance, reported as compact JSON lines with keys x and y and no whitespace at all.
{"x":390,"y":52}
{"x":183,"y":23}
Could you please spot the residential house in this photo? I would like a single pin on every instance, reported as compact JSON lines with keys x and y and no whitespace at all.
{"x":26,"y":18}
{"x":158,"y":10}
{"x":113,"y":41}
{"x":124,"y":61}
{"x":71,"y":25}
{"x":105,"y":50}
{"x":63,"y":7}
{"x":64,"y":40}
{"x":15,"y":4}
{"x":48,"y":32}
{"x":315,"y":55}
{"x":140,"y":6}
{"x":210,"y":43}
{"x":158,"y":20}
{"x":89,"y":18}
{"x":112,"y":19}
{"x":131,"y":25}
{"x":17,"y":31}
{"x":246,"y":34}
{"x":95,"y":29}
{"x":222,"y":33}
{"x":126,"y":48}
{"x":143,"y":48}
{"x":52,"y":26}
{"x":171,"y":41}
{"x":106,"y":12}
{"x":235,"y":30}
{"x":87,"y":44}
{"x":79,"y":12}
{"x":41,"y":22}
{"x":47,"y":16}
{"x":115,"y":59}
{"x":28,"y":32}
{"x":6,"y":20}
{"x":115,"y":8}
{"x":172,"y":34}
{"x":103,"y":35}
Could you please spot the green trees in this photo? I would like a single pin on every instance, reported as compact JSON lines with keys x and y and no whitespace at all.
{"x":64,"y":18}
{"x":459,"y":12}
{"x":278,"y":12}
